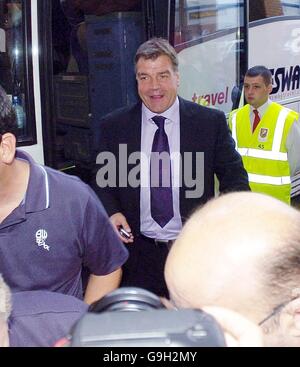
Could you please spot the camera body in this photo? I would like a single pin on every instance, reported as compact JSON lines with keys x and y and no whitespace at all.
{"x":113,"y":322}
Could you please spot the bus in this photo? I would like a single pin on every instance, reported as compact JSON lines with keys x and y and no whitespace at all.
{"x":65,"y":63}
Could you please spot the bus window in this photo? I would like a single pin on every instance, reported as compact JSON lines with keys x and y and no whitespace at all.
{"x":291,"y":7}
{"x":13,"y":68}
{"x":195,"y":19}
{"x":210,"y":41}
{"x":260,"y":9}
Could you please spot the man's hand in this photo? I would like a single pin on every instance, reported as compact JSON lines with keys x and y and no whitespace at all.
{"x":119,"y":221}
{"x":238,"y":331}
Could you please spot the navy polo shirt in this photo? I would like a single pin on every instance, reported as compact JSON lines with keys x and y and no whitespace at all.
{"x":60,"y":226}
{"x":41,"y":318}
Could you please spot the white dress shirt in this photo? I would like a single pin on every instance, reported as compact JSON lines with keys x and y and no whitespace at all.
{"x":149,"y":227}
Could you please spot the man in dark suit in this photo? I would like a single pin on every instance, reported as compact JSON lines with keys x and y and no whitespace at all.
{"x":187,"y":143}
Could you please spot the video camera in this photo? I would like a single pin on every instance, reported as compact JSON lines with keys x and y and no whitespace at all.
{"x":113,"y":322}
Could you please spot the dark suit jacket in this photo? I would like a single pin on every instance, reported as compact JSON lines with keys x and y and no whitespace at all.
{"x":201,"y":130}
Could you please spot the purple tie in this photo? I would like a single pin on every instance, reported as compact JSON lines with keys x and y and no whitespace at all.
{"x":160,"y":173}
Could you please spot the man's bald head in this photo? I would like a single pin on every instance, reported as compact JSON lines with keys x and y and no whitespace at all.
{"x":236,"y":252}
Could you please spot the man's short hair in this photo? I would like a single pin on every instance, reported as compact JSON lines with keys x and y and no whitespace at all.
{"x":8,"y":120}
{"x":282,"y":271}
{"x":156,"y":47}
{"x":260,"y":70}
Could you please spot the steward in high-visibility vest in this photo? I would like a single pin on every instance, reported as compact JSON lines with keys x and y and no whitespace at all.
{"x":267,"y":136}
{"x":264,"y":151}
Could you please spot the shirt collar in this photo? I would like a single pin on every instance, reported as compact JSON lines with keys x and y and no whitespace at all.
{"x":263,"y":108}
{"x":37,"y":193}
{"x":171,"y":114}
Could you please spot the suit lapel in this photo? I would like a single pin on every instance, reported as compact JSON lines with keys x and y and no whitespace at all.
{"x":134,"y":145}
{"x":185,"y":140}
{"x":135,"y":130}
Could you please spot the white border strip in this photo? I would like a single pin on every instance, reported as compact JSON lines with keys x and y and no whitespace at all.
{"x":46,"y":186}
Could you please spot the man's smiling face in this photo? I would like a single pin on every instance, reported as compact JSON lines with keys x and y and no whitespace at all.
{"x":157,"y":83}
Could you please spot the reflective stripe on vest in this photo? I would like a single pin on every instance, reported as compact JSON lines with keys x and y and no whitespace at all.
{"x":258,"y":153}
{"x":273,"y":154}
{"x":263,"y":179}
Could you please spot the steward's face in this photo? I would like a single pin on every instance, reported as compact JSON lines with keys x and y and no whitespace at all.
{"x":256,"y":91}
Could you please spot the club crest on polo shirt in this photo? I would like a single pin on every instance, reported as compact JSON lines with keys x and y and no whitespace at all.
{"x":263,"y":134}
{"x":41,"y":237}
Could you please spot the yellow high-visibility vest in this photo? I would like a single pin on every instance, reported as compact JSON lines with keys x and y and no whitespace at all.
{"x":264,"y":152}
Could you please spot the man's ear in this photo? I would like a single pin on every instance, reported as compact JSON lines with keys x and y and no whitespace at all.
{"x":7,"y":148}
{"x":270,"y":88}
{"x":290,"y":318}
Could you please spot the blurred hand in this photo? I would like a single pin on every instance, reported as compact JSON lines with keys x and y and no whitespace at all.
{"x":238,"y":331}
{"x":118,"y":221}
{"x":167,"y":303}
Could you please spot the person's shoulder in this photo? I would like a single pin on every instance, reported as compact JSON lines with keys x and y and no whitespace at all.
{"x":40,"y":318}
{"x":294,"y":114}
{"x":63,"y":177}
{"x":31,"y":302}
{"x":122,"y":114}
{"x":273,"y":104}
{"x":235,"y":110}
{"x":196,"y":109}
{"x":69,"y":184}
{"x":240,"y":110}
{"x":278,"y":108}
{"x":73,"y":191}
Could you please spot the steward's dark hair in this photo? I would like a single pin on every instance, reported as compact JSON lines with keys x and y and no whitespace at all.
{"x":260,"y":70}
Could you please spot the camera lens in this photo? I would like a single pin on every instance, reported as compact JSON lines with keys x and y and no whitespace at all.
{"x":127,"y":299}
